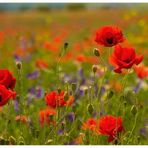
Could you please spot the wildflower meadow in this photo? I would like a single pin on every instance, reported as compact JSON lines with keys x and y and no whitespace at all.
{"x":74,"y":75}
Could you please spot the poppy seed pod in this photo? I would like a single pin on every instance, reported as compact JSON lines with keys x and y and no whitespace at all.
{"x":96,"y":52}
{"x":110,"y":94}
{"x":66,"y":96}
{"x":65,"y":45}
{"x":19,"y":65}
{"x":90,"y":108}
{"x":134,"y":110}
{"x":73,"y":87}
{"x":125,"y":103}
{"x":94,"y":68}
{"x":59,"y":90}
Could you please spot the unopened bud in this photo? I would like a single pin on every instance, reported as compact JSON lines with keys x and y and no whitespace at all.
{"x":125,"y":103}
{"x":51,"y":117}
{"x":90,"y":108}
{"x":86,"y":91}
{"x":66,"y":96}
{"x":134,"y":110}
{"x":65,"y":45}
{"x":12,"y":140}
{"x":73,"y":87}
{"x":59,"y":90}
{"x":110,"y":94}
{"x":94,"y":68}
{"x":138,"y":139}
{"x":19,"y":65}
{"x":96,"y":52}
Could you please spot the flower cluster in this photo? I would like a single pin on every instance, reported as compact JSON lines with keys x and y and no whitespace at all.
{"x":53,"y":100}
{"x":7,"y":84}
{"x":122,"y":57}
{"x":107,"y":125}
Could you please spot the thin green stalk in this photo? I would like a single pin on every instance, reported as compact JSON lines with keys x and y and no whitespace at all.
{"x":134,"y":126}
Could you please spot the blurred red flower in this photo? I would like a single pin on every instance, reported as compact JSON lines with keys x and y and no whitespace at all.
{"x":54,"y":99}
{"x":46,"y":116}
{"x":109,"y":36}
{"x":81,"y":58}
{"x":41,"y":64}
{"x":90,"y":124}
{"x":5,"y":95}
{"x":110,"y":126}
{"x":124,"y":57}
{"x":141,"y":71}
{"x":21,"y":118}
{"x":7,"y":79}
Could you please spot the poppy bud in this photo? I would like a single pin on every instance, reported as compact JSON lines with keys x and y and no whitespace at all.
{"x":19,"y":65}
{"x":125,"y":103}
{"x":12,"y":140}
{"x":138,"y":139}
{"x":65,"y":45}
{"x":110,"y":94}
{"x":134,"y":110}
{"x":59,"y":90}
{"x":66,"y":96}
{"x":86,"y":91}
{"x":94,"y":68}
{"x":96,"y":52}
{"x":49,"y":142}
{"x":90,"y":108}
{"x":122,"y":98}
{"x":73,"y":87}
{"x":51,"y":117}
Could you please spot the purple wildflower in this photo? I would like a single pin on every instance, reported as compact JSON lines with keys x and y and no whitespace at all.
{"x":71,"y":117}
{"x":138,"y":86}
{"x":60,"y":132}
{"x":16,"y":106}
{"x":33,"y":75}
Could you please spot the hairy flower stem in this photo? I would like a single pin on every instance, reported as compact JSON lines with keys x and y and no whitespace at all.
{"x":122,"y":92}
{"x":53,"y":129}
{"x":134,"y":126}
{"x":21,"y":102}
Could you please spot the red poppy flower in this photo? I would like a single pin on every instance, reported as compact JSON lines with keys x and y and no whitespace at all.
{"x":124,"y":57}
{"x":54,"y":99}
{"x":141,"y":71}
{"x":21,"y":118}
{"x":46,"y":116}
{"x":110,"y":126}
{"x":41,"y":64}
{"x":109,"y":36}
{"x":90,"y":124}
{"x":81,"y":58}
{"x":5,"y":95}
{"x":7,"y":79}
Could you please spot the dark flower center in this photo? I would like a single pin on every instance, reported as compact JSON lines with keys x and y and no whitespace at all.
{"x":127,"y":60}
{"x":0,"y":98}
{"x":110,"y":40}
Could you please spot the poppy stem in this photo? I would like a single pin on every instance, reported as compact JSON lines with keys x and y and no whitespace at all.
{"x":134,"y":126}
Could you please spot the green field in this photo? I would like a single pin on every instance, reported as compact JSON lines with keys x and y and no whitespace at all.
{"x":55,"y":50}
